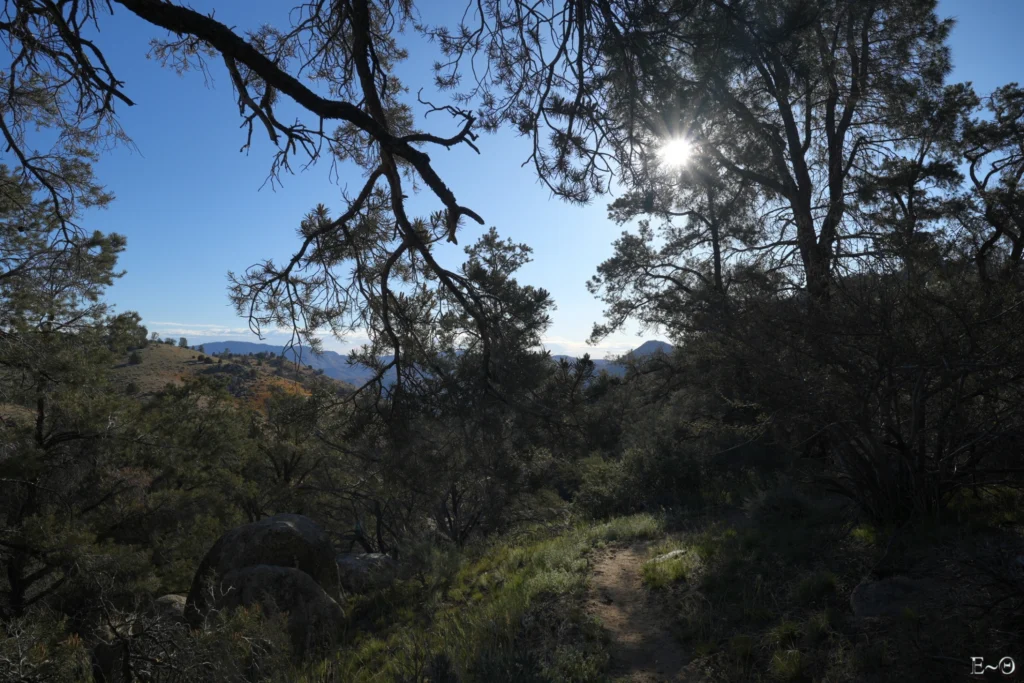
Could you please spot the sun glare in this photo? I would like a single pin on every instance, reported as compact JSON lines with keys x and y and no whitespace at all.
{"x":675,"y":152}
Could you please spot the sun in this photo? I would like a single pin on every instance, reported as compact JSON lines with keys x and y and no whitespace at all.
{"x":675,"y":152}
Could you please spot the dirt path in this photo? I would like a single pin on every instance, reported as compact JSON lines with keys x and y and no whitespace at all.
{"x":643,"y":648}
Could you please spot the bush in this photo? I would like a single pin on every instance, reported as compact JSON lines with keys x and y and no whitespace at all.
{"x":666,"y":475}
{"x":602,"y":491}
{"x":131,"y":389}
{"x":134,"y":358}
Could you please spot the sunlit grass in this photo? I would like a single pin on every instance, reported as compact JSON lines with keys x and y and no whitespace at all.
{"x":504,"y":614}
{"x":639,"y":527}
{"x":662,"y":573}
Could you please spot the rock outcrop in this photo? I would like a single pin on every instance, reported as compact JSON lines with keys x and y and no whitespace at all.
{"x":280,"y":541}
{"x":361,"y":572}
{"x":171,"y":605}
{"x":315,"y":620}
{"x":285,"y":563}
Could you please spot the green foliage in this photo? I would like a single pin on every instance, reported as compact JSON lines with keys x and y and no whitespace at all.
{"x":661,"y":573}
{"x":639,"y":527}
{"x":787,"y":665}
{"x":784,"y":634}
{"x":988,"y":505}
{"x":39,"y":647}
{"x":884,"y":346}
{"x":866,"y":534}
{"x":602,"y":490}
{"x":515,"y":613}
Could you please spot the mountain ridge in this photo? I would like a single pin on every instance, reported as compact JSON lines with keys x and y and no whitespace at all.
{"x":336,"y":365}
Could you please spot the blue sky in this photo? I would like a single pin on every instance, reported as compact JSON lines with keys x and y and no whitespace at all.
{"x":191,"y":205}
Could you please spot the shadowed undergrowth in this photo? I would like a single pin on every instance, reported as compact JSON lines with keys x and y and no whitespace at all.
{"x":514,"y":612}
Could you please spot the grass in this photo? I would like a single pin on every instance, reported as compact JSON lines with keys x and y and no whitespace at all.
{"x":641,"y":527}
{"x":765,"y":597}
{"x":662,"y":573}
{"x":671,"y":563}
{"x":787,"y":665}
{"x":785,"y":634}
{"x":866,"y":534}
{"x":819,"y":626}
{"x":760,"y":594}
{"x":759,"y":599}
{"x":513,"y":612}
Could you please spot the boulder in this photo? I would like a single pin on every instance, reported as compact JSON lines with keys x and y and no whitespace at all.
{"x":281,"y":541}
{"x":888,"y":597}
{"x":171,"y":605}
{"x":360,"y":572}
{"x":315,"y":620}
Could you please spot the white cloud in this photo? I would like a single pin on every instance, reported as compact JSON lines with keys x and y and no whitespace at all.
{"x":195,"y":329}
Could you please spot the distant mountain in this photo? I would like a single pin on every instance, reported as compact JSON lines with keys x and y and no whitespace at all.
{"x":336,"y":365}
{"x":649,"y":348}
{"x":616,"y":366}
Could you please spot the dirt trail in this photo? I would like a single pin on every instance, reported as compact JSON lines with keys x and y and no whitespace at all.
{"x":643,"y":648}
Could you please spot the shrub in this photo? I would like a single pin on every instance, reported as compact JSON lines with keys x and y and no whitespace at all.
{"x":131,"y":389}
{"x":819,"y":626}
{"x":787,"y":665}
{"x":602,"y":491}
{"x":785,"y":634}
{"x":134,"y":358}
{"x":661,"y":475}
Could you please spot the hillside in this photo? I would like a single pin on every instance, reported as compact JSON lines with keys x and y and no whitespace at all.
{"x":338,"y":367}
{"x":821,"y":201}
{"x":247,"y":377}
{"x":334,"y":365}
